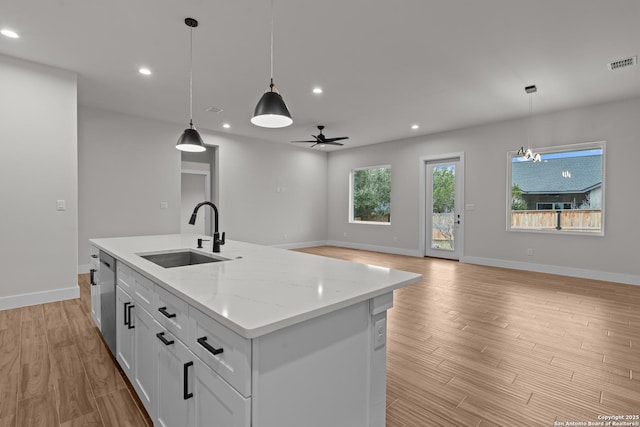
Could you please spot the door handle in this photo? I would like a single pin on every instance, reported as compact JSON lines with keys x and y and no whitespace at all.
{"x":126,"y":305}
{"x":185,"y":391}
{"x":129,"y":325}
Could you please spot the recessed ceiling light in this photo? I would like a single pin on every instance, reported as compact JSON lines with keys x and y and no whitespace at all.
{"x":226,"y":125}
{"x":414,"y":127}
{"x":9,"y":33}
{"x":317,"y":90}
{"x":145,"y":71}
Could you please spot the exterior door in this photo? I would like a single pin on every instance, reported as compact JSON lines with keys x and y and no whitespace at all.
{"x":444,"y":208}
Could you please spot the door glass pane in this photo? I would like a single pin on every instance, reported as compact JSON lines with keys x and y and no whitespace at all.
{"x":443,"y":207}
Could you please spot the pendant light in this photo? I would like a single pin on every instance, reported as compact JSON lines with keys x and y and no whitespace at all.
{"x":271,"y":111}
{"x":529,"y":154}
{"x":190,"y":139}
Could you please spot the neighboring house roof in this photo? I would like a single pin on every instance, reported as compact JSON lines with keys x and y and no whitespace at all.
{"x":582,"y":174}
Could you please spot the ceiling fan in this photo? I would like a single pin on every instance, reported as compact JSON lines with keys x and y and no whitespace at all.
{"x":322,"y":140}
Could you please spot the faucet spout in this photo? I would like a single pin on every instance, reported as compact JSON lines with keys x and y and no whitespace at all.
{"x":217,"y":242}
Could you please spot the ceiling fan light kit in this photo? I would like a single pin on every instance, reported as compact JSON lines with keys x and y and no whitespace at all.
{"x":271,"y":111}
{"x":190,"y":139}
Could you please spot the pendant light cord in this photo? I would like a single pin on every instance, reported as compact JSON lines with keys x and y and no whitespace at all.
{"x":530,"y":120}
{"x":191,"y":77}
{"x":271,"y":85}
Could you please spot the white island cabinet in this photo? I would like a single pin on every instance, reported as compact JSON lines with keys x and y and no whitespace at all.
{"x":262,"y":338}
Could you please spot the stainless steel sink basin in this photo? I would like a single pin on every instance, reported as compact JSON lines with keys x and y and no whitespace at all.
{"x":180,"y":258}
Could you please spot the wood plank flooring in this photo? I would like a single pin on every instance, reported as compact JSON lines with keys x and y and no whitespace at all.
{"x":467,"y":346}
{"x":55,"y":370}
{"x":482,"y":346}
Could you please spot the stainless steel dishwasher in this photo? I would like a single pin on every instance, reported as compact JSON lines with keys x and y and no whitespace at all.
{"x":107,"y":282}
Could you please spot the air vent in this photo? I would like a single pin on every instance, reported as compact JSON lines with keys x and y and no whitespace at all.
{"x":622,"y":63}
{"x":213,"y":109}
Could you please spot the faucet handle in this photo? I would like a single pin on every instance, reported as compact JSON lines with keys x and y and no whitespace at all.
{"x":223,"y":236}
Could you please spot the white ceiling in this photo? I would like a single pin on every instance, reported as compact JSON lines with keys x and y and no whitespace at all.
{"x":383,"y":65}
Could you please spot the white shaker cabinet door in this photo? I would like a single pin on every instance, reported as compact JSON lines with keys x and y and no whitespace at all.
{"x":176,"y":402}
{"x":145,"y":356}
{"x":216,"y":402}
{"x":125,"y":329}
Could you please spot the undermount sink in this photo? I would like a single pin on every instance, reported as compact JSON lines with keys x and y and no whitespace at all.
{"x":180,"y":258}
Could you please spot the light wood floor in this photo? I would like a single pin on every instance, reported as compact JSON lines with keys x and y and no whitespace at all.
{"x":467,"y":346}
{"x":482,"y":346}
{"x":55,"y":370}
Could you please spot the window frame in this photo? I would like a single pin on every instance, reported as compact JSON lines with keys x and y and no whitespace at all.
{"x":351,"y":218}
{"x":551,"y":150}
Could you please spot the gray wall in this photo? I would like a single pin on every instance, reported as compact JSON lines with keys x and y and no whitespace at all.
{"x":612,"y":257}
{"x":129,"y":165}
{"x":38,"y":166}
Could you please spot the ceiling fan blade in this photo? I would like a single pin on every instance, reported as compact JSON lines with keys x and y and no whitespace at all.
{"x":314,"y":145}
{"x":340,"y":138}
{"x":333,"y":143}
{"x":304,"y":141}
{"x":317,"y":139}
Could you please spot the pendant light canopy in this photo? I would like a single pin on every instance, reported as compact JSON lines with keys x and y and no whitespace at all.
{"x":190,"y":139}
{"x":271,"y":111}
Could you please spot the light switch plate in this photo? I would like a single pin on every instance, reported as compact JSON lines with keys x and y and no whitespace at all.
{"x":61,"y":205}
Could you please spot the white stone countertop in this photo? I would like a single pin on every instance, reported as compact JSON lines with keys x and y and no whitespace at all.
{"x":260,"y":289}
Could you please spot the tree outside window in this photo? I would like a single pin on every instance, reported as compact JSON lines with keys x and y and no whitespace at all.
{"x":371,"y":194}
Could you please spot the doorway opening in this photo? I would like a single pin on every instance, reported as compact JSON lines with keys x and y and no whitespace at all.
{"x":198,"y":183}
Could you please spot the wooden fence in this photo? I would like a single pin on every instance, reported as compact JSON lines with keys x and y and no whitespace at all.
{"x":574,"y":219}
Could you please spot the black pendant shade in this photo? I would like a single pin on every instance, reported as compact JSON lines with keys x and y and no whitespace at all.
{"x":271,"y":111}
{"x":191,"y":141}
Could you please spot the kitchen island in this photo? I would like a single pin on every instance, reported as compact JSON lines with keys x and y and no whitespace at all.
{"x":261,"y":337}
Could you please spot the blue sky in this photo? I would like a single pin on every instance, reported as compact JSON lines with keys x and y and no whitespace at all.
{"x":563,"y":154}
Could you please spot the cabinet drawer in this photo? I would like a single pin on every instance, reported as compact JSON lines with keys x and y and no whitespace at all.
{"x":143,"y":291}
{"x":233,"y":364}
{"x":172,"y":313}
{"x":124,"y":276}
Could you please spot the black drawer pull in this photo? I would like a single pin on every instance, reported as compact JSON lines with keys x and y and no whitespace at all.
{"x":165,"y":341}
{"x":164,"y":311}
{"x":203,"y":342}
{"x":129,"y":325}
{"x":185,"y":392}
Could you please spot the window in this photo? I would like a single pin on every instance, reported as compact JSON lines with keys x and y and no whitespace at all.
{"x":561,"y":193}
{"x":370,"y":195}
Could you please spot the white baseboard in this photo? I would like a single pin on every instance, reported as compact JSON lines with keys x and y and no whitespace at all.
{"x":630,"y":279}
{"x":301,"y":245}
{"x":375,"y":248}
{"x":23,"y":300}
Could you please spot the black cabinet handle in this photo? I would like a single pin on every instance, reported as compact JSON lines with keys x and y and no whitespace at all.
{"x":185,"y":392}
{"x":164,"y":311}
{"x":130,"y":325}
{"x":203,"y":342}
{"x":92,"y":276}
{"x":126,"y":319}
{"x":94,"y":256}
{"x":165,"y":341}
